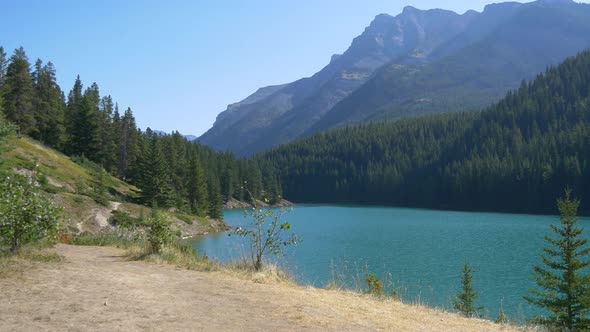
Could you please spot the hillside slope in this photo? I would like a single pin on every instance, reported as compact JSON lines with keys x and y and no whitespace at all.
{"x":87,"y":195}
{"x":515,"y":156}
{"x":419,"y":62}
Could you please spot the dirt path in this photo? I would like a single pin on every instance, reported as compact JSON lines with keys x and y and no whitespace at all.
{"x":96,"y":289}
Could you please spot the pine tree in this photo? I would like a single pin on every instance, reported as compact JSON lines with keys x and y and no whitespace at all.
{"x":198,"y":196}
{"x":155,"y":183}
{"x":49,"y":106}
{"x":106,"y":131}
{"x":564,"y":288}
{"x":74,"y":107}
{"x":3,"y":64}
{"x":215,"y":201}
{"x":127,"y":145}
{"x":18,"y":93}
{"x":85,"y":130}
{"x":464,"y":301}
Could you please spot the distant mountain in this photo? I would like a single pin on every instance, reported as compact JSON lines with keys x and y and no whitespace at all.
{"x":420,"y":61}
{"x":517,"y":155}
{"x":190,"y":138}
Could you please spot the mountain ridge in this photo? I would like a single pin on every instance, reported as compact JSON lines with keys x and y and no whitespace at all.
{"x":388,"y":54}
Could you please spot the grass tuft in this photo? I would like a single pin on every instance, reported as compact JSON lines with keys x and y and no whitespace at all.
{"x":26,"y":257}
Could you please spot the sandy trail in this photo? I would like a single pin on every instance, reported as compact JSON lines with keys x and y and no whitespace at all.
{"x":96,"y":289}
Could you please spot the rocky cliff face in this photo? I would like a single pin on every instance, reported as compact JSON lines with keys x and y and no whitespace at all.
{"x":386,"y":70}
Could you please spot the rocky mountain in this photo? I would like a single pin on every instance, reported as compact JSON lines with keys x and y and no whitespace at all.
{"x":420,"y":61}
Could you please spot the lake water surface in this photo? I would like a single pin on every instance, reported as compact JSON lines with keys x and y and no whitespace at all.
{"x":419,"y":253}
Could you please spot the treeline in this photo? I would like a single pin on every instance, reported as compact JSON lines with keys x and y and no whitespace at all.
{"x":513,"y":156}
{"x":169,"y":170}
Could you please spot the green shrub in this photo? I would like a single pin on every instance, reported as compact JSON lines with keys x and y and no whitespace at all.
{"x":124,"y":220}
{"x":184,"y":217}
{"x":26,"y":215}
{"x":375,"y":285}
{"x":159,"y":231}
{"x":107,"y":238}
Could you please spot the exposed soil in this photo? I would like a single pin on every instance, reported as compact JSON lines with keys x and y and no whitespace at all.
{"x":97,"y":289}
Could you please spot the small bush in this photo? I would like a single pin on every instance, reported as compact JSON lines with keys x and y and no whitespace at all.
{"x":268,"y":234}
{"x":124,"y":220}
{"x":158,"y":231}
{"x":184,"y":217}
{"x":100,"y":199}
{"x":375,"y":285}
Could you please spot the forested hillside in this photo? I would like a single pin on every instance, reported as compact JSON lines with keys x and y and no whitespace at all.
{"x":169,"y":170}
{"x":517,"y":155}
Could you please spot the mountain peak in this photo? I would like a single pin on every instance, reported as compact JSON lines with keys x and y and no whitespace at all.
{"x":555,"y":2}
{"x":410,"y":9}
{"x":501,"y":6}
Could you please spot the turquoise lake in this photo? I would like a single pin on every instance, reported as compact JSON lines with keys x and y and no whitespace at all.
{"x":419,"y":253}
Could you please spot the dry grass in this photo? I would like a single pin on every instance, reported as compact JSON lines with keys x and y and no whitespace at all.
{"x":27,"y":258}
{"x":385,"y":312}
{"x":109,"y":292}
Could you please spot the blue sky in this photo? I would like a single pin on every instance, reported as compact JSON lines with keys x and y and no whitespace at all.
{"x":178,"y":64}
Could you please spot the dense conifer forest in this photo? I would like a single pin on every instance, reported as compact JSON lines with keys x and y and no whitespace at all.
{"x":516,"y":155}
{"x":169,"y":170}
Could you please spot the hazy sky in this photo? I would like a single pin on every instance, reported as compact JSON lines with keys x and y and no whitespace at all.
{"x":178,"y":64}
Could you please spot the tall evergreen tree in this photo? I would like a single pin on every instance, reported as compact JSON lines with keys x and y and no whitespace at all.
{"x":49,"y":106}
{"x":215,"y":200}
{"x":74,"y":107}
{"x":154,"y":180}
{"x":18,"y":93}
{"x":106,"y":132}
{"x":3,"y":64}
{"x":128,"y":146}
{"x":198,"y":195}
{"x":564,"y":286}
{"x":85,"y":133}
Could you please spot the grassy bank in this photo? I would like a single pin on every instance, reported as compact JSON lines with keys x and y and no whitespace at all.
{"x":181,"y":254}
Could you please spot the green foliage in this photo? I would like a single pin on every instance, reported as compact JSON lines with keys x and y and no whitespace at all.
{"x":564,"y":287}
{"x":268,"y":234}
{"x":124,"y":220}
{"x":18,"y":93}
{"x":155,"y":182}
{"x":6,"y":129}
{"x":108,"y":238}
{"x":25,"y":214}
{"x":464,"y":301}
{"x":90,"y":129}
{"x":513,"y":156}
{"x":158,"y":231}
{"x":375,"y":285}
{"x":48,"y":106}
{"x":197,"y":191}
